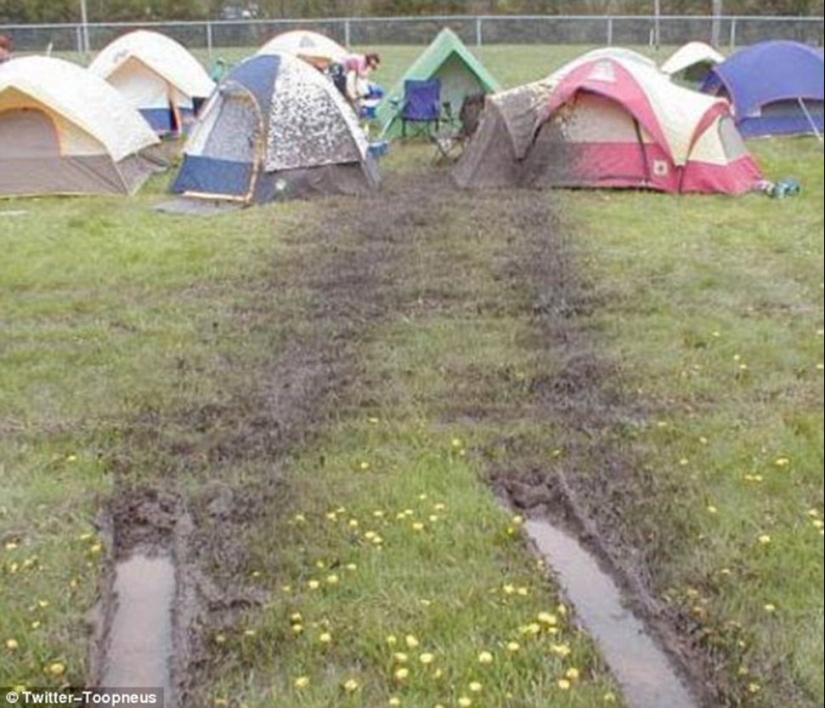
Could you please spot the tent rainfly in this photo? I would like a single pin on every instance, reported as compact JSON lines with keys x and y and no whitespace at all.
{"x":275,"y":128}
{"x":691,"y":63}
{"x":158,"y":77}
{"x":317,"y":49}
{"x":608,"y":123}
{"x":449,"y":60}
{"x":777,"y":88}
{"x":64,"y":130}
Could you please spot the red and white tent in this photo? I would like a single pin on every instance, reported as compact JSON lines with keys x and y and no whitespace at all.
{"x":624,"y":124}
{"x":608,"y":121}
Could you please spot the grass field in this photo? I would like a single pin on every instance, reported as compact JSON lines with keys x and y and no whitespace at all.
{"x":427,"y":338}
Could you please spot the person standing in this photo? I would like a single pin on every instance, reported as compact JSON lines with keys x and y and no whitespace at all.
{"x":5,"y":48}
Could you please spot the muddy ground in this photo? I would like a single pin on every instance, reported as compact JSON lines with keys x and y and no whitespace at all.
{"x":199,"y":509}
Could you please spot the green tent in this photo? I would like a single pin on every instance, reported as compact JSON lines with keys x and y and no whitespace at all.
{"x":449,"y":60}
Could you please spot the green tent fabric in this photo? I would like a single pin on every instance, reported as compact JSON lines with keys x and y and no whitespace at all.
{"x":449,"y":60}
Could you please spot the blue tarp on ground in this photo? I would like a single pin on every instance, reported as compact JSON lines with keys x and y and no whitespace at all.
{"x":766,"y":83}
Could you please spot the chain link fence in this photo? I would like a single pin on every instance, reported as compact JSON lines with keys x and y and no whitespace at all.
{"x":481,"y":30}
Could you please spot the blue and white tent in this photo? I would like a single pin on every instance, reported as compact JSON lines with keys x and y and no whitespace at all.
{"x":275,"y":128}
{"x":776,"y":88}
{"x":157,"y":76}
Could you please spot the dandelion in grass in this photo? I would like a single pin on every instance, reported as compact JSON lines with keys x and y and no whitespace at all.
{"x":562,"y":650}
{"x":513,"y":647}
{"x":509,"y":589}
{"x":573,"y":673}
{"x":564,"y":684}
{"x":770,"y":608}
{"x":325,"y":638}
{"x":609,"y":697}
{"x":12,"y":645}
{"x":437,"y":674}
{"x":418,"y":526}
{"x":402,"y":674}
{"x":351,"y":567}
{"x":457,"y":442}
{"x":301,"y":682}
{"x":426,"y":658}
{"x":485,"y":658}
{"x":220,"y":639}
{"x":764,"y":539}
{"x":523,"y":591}
{"x":394,"y":701}
{"x":364,"y":465}
{"x":475,"y":687}
{"x":351,"y":685}
{"x":332,"y":579}
{"x":754,"y":687}
{"x":57,"y":669}
{"x":400,"y":657}
{"x":411,"y":641}
{"x":313,"y":584}
{"x":297,"y":629}
{"x":300,"y":519}
{"x":465,"y":702}
{"x":392,"y":640}
{"x":548,"y":618}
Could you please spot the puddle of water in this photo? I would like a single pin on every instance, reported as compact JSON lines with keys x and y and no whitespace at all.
{"x":139,"y":649}
{"x":641,"y":668}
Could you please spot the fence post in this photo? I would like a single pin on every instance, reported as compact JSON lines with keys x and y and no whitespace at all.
{"x":479,"y":37}
{"x":209,"y":39}
{"x":733,"y":33}
{"x":347,"y":33}
{"x":79,"y":37}
{"x":609,"y":31}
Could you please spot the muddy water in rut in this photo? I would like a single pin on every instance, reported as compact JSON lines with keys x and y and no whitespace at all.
{"x":140,"y":638}
{"x":641,"y":668}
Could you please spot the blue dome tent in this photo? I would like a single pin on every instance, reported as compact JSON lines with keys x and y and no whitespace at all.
{"x":776,"y":88}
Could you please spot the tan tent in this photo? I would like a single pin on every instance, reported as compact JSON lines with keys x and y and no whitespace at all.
{"x":66,"y":131}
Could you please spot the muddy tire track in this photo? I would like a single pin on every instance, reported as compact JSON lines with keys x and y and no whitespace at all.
{"x":198,"y":511}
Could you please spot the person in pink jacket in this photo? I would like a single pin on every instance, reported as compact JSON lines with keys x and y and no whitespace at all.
{"x":5,"y":48}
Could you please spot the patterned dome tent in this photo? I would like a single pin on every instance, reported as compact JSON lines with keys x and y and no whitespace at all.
{"x":158,"y":77}
{"x":66,"y":131}
{"x":275,"y":128}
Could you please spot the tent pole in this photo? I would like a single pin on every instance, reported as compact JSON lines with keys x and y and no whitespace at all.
{"x":810,"y":119}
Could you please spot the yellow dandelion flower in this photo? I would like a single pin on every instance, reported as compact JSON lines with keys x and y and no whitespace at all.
{"x":301,"y":682}
{"x":782,"y":461}
{"x":220,"y":639}
{"x":563,"y":684}
{"x":296,"y":617}
{"x":712,"y":509}
{"x":401,"y":674}
{"x":351,"y":685}
{"x":524,"y":592}
{"x":426,"y":658}
{"x":754,"y":687}
{"x":11,"y":545}
{"x":332,"y":579}
{"x":561,"y":650}
{"x":609,"y":697}
{"x":547,"y":618}
{"x":437,"y":674}
{"x":300,"y":519}
{"x":12,"y":645}
{"x":325,"y":638}
{"x":35,"y":624}
{"x":418,"y":526}
{"x":770,"y":607}
{"x":475,"y":687}
{"x":373,"y":420}
{"x":465,"y":702}
{"x":485,"y":657}
{"x":439,"y":507}
{"x":400,"y":657}
{"x":57,"y":669}
{"x":573,"y":673}
{"x":353,"y":523}
{"x":394,"y":701}
{"x":517,"y":520}
{"x":764,"y":539}
{"x":392,"y":639}
{"x":351,"y":567}
{"x":509,"y":589}
{"x":411,"y":641}
{"x":313,"y":584}
{"x":364,"y":465}
{"x":457,"y":442}
{"x":513,"y":646}
{"x":249,"y":633}
{"x":297,"y":628}
{"x":286,"y":589}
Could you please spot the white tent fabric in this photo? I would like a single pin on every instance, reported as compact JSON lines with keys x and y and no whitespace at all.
{"x":86,"y":105}
{"x":620,"y":53}
{"x":689,"y":55}
{"x":143,"y":65}
{"x":303,"y":43}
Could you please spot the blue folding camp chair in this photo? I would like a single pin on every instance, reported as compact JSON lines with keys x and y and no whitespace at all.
{"x":422,"y":105}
